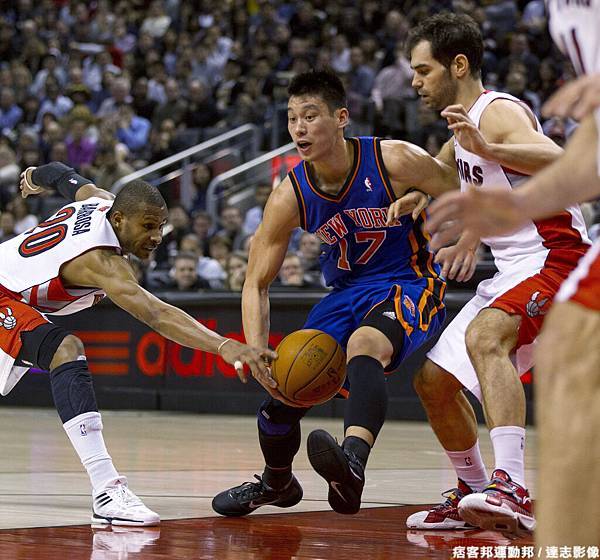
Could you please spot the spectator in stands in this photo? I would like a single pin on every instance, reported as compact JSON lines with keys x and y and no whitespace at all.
{"x":132,"y":130}
{"x":208,"y":268}
{"x":54,"y":101}
{"x":309,"y":251}
{"x":81,"y":148}
{"x":109,"y":166}
{"x":7,"y":226}
{"x":184,"y":275}
{"x":519,"y":52}
{"x":157,"y":21}
{"x":237,"y":264}
{"x":230,"y":87}
{"x":231,"y":222}
{"x":254,"y":215}
{"x":23,"y":219}
{"x":177,"y":226}
{"x":219,"y":249}
{"x":391,"y":89}
{"x":202,"y":109}
{"x":174,"y":107}
{"x":361,"y":77}
{"x":292,"y":274}
{"x":120,"y":94}
{"x":340,"y":54}
{"x":50,"y":67}
{"x":9,"y":174}
{"x":10,"y":113}
{"x":142,"y":105}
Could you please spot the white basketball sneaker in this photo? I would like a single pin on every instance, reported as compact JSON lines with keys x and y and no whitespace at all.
{"x":118,"y":505}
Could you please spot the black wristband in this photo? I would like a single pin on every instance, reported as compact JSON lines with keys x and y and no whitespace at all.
{"x":61,"y":177}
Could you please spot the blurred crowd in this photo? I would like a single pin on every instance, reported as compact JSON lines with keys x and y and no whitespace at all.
{"x":108,"y":87}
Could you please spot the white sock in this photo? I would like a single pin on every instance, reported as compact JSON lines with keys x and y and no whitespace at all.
{"x":469,"y":467}
{"x":85,"y":433}
{"x":509,"y":451}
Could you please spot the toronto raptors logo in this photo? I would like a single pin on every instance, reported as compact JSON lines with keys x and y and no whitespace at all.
{"x":536,"y":306}
{"x":7,"y":320}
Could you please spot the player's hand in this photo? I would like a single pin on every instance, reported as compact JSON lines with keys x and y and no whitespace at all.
{"x":484,"y":213}
{"x":465,"y":131}
{"x":576,"y":99}
{"x":412,"y":203}
{"x":238,"y":354}
{"x":27,"y":186}
{"x":458,"y":263}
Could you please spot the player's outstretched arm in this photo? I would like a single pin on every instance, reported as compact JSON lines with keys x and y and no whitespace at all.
{"x":110,"y":272}
{"x":267,"y":252}
{"x":506,"y":135}
{"x":571,"y":179}
{"x":62,"y":178}
{"x":409,"y":166}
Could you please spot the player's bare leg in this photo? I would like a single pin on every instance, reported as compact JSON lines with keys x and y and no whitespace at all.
{"x":453,"y":420}
{"x":504,"y":504}
{"x":567,"y":396}
{"x":342,"y":466}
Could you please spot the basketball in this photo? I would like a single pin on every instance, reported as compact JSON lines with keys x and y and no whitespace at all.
{"x":311,"y":367}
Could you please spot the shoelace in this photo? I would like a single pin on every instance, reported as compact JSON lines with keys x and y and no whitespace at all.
{"x":127,"y":496}
{"x":249,"y":490}
{"x":450,"y":495}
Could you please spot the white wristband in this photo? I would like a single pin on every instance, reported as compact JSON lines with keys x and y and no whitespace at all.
{"x":223,"y":344}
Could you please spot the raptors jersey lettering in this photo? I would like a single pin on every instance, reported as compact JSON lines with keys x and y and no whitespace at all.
{"x":31,"y":261}
{"x":557,"y":242}
{"x":357,"y":247}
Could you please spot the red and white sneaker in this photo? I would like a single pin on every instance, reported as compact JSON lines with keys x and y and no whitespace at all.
{"x":503,"y":506}
{"x":445,"y":515}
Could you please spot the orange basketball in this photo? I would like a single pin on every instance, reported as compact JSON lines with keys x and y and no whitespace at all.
{"x":311,"y":367}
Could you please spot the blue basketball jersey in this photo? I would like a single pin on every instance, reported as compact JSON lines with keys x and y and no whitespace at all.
{"x":356,"y":246}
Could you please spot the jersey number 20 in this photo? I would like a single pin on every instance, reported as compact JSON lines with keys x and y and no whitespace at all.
{"x":51,"y":234}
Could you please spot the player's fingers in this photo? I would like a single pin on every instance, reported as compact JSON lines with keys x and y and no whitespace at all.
{"x":455,"y":268}
{"x":268,"y":355}
{"x":589,"y":101}
{"x":419,"y":208}
{"x":445,"y":237}
{"x":393,"y":213}
{"x":465,"y":270}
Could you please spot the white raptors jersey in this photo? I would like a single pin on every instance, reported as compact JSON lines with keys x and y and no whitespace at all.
{"x":575,"y":28}
{"x":551,"y":241}
{"x":31,"y":261}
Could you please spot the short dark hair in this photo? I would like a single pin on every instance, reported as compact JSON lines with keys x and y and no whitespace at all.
{"x":136,"y":195}
{"x":324,"y":83}
{"x":450,"y":35}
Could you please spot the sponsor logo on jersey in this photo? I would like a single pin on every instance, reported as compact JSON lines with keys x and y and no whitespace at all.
{"x":7,"y":319}
{"x":409,"y":304}
{"x":537,"y":306}
{"x":389,"y":315}
{"x":368,"y":184}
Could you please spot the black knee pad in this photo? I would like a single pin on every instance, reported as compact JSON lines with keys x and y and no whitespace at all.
{"x":367,"y":404}
{"x":40,"y":345}
{"x":392,"y":329}
{"x":72,"y":390}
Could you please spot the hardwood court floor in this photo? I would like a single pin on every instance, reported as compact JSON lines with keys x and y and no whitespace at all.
{"x":177,"y":462}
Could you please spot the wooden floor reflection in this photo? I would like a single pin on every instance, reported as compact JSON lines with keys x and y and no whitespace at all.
{"x":373,"y":534}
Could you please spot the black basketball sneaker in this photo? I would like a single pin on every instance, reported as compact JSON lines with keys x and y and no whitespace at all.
{"x":246,"y":498}
{"x":340,"y":468}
